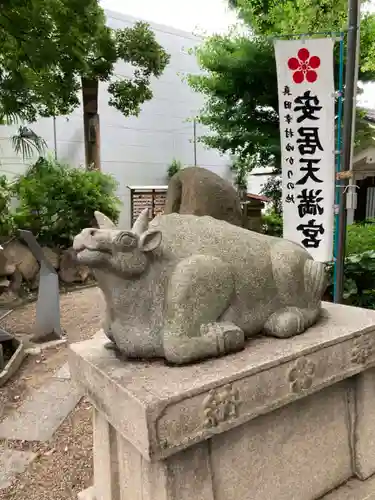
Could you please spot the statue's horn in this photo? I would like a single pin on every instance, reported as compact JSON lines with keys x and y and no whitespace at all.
{"x":141,"y":224}
{"x":103,"y":221}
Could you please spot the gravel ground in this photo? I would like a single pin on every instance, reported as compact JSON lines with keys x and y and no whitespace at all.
{"x":81,"y":313}
{"x":63,"y":467}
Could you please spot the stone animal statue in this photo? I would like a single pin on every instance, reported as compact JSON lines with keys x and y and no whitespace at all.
{"x":187,"y":288}
{"x":198,"y":191}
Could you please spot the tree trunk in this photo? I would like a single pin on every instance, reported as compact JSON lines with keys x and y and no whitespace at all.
{"x":91,"y":123}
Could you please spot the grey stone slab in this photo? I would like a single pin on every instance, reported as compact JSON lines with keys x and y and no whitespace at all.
{"x":42,"y":412}
{"x":12,"y":462}
{"x":63,"y":373}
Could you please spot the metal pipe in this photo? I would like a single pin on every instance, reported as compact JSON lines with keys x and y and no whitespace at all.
{"x":338,"y":159}
{"x":195,"y":141}
{"x":349,"y":105}
{"x":352,"y":185}
{"x":55,"y":137}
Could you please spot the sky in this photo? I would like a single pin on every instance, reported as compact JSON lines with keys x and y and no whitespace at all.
{"x":198,"y":16}
{"x":207,"y":16}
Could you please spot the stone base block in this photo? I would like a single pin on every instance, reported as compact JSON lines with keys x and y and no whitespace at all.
{"x":365,"y":424}
{"x":281,"y":454}
{"x":284,"y":419}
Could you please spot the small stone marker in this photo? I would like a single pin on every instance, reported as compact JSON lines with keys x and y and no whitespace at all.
{"x":48,"y":304}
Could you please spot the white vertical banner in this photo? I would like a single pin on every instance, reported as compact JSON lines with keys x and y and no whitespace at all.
{"x":307,"y":129}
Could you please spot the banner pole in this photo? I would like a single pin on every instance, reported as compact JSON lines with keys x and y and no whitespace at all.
{"x":338,"y":161}
{"x":349,"y":106}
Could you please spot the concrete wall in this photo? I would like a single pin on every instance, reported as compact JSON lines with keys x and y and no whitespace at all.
{"x":136,"y":151}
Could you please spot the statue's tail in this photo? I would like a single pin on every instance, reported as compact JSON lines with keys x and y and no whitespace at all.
{"x":174,"y":195}
{"x":316,"y":279}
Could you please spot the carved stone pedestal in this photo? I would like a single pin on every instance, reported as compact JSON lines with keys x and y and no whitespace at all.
{"x":286,"y":419}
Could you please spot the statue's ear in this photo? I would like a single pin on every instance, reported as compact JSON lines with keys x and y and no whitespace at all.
{"x":103,"y":221}
{"x":150,"y":240}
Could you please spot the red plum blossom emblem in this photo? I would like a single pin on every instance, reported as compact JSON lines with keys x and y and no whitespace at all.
{"x":304,"y":66}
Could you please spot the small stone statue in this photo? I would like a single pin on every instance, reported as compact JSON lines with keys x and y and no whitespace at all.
{"x":198,"y":191}
{"x":188,"y":288}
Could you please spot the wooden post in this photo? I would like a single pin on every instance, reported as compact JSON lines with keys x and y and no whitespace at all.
{"x":91,"y":123}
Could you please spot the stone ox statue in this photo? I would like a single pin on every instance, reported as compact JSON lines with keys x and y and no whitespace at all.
{"x":186,"y":288}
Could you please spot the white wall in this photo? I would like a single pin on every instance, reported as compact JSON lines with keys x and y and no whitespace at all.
{"x":136,"y":151}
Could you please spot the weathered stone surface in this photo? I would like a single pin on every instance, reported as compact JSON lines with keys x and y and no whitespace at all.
{"x":4,"y":283}
{"x":187,"y":288}
{"x":9,"y":299}
{"x":198,"y":191}
{"x":354,"y":490}
{"x":162,"y":409}
{"x":122,"y":472}
{"x":63,"y":373}
{"x":16,"y":282}
{"x":53,"y":255}
{"x":304,"y":447}
{"x":70,"y":270}
{"x":12,"y":365}
{"x":12,"y":462}
{"x":20,"y":256}
{"x":279,"y":420}
{"x":364,"y":437}
{"x":6,"y":268}
{"x":42,"y":412}
{"x":87,"y":494}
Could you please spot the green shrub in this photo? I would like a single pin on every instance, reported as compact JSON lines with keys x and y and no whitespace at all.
{"x":174,"y":167}
{"x":57,"y":201}
{"x":360,"y":238}
{"x":272,"y":224}
{"x":6,"y":216}
{"x":359,"y":280}
{"x":359,"y":266}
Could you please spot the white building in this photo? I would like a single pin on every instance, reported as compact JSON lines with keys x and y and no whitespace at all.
{"x":136,"y":151}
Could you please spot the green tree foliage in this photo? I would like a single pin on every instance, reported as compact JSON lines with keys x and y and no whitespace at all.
{"x":240,"y":87}
{"x":240,"y":82}
{"x":174,"y":167}
{"x":50,"y":49}
{"x":273,"y":17}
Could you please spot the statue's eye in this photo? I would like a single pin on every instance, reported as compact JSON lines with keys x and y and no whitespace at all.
{"x":125,"y":240}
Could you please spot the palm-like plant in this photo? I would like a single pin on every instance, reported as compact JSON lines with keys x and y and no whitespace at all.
{"x":25,"y":141}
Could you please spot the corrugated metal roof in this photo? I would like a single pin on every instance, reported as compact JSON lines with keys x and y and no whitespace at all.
{"x":258,"y":197}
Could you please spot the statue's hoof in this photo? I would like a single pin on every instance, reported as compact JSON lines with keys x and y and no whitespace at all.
{"x":286,"y":323}
{"x":234,"y":339}
{"x":229,"y":337}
